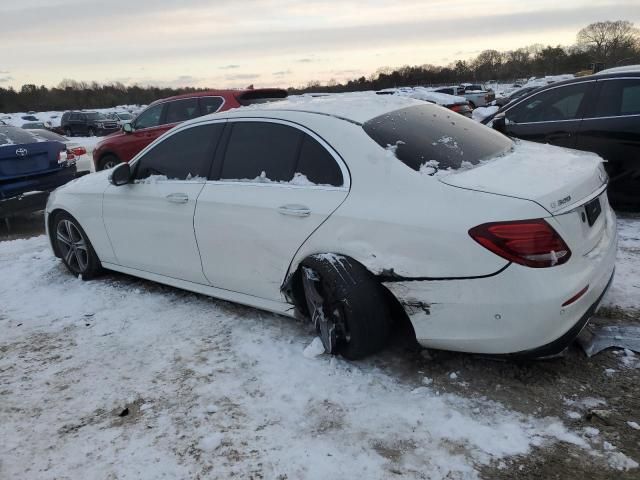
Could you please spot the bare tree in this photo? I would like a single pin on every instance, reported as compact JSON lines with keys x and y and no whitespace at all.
{"x":609,"y":40}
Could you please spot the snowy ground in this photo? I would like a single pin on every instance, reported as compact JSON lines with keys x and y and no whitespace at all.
{"x":120,"y":378}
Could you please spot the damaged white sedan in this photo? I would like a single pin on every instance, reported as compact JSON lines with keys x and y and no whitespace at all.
{"x":344,"y":208}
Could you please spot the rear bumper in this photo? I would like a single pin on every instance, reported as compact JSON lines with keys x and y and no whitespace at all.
{"x":30,"y":194}
{"x":517,"y":311}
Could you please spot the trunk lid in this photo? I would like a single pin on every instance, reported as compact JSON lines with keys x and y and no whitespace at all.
{"x":555,"y":178}
{"x":21,"y":160}
{"x":569,"y":184}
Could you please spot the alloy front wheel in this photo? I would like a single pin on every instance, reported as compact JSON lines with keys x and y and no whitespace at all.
{"x":74,"y":248}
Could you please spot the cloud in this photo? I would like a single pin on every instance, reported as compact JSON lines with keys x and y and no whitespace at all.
{"x":6,"y":79}
{"x":282,"y":73}
{"x":229,"y":67}
{"x":242,"y":76}
{"x":304,"y":60}
{"x":4,"y":72}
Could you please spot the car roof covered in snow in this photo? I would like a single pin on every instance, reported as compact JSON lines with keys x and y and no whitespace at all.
{"x":626,"y":69}
{"x":354,"y":107}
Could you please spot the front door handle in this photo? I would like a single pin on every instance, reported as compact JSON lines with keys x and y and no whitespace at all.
{"x":178,"y":197}
{"x":294,"y":210}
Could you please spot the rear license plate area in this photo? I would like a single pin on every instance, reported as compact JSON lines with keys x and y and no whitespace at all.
{"x":593,"y":210}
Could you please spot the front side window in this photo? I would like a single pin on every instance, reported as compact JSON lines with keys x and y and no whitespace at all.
{"x":182,"y":156}
{"x":150,"y":117}
{"x":561,"y":103}
{"x":261,"y":151}
{"x":182,"y":110}
{"x":618,"y":97}
{"x":210,"y":104}
{"x":424,"y":135}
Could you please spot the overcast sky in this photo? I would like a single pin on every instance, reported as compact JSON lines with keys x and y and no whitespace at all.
{"x":233,"y":43}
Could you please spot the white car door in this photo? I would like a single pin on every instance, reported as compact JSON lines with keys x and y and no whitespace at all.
{"x":276,"y":183}
{"x":150,"y":220}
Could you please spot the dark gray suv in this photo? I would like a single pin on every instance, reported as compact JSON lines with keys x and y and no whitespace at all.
{"x":87,"y":124}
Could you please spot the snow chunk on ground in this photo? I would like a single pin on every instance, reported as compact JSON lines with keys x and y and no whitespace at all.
{"x":211,"y":442}
{"x":314,"y":349}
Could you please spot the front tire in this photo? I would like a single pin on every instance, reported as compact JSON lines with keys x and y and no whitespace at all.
{"x":68,"y":132}
{"x":91,"y":131}
{"x":74,"y":248}
{"x":347,"y":304}
{"x":108,"y":161}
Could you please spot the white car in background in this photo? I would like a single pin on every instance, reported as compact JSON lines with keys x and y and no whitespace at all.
{"x":457,"y":104}
{"x":345,"y":209}
{"x":121,"y":117}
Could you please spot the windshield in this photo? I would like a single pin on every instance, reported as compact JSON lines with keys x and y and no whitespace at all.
{"x":428,"y":135}
{"x":96,"y":116}
{"x":125,"y":116}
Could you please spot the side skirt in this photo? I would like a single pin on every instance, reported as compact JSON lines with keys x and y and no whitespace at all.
{"x":272,"y":306}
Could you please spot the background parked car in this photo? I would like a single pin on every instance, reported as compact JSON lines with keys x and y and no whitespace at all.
{"x":165,"y":114}
{"x":457,"y":104}
{"x":476,"y":98}
{"x":599,"y":113}
{"x":87,"y":124}
{"x":120,"y":117}
{"x":31,"y":166}
{"x":34,"y":125}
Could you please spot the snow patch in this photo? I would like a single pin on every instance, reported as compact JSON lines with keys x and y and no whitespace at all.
{"x":314,"y":349}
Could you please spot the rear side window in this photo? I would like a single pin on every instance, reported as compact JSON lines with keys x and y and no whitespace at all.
{"x":618,"y":97}
{"x":261,"y":149}
{"x":182,"y":156}
{"x":181,"y":110}
{"x":317,"y":164}
{"x":210,"y":104}
{"x":562,"y":103}
{"x":426,"y":135}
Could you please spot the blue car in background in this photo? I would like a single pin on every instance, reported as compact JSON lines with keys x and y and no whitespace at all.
{"x":31,"y":166}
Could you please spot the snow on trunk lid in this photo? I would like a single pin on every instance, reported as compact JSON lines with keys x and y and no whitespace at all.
{"x":558,"y":179}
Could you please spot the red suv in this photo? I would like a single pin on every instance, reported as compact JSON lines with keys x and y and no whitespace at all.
{"x":163,"y":115}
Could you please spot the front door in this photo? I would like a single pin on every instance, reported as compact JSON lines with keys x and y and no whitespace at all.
{"x":552,"y":116}
{"x":150,"y":221}
{"x":275,"y":184}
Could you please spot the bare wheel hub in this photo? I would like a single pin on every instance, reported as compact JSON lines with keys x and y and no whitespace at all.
{"x":328,"y":322}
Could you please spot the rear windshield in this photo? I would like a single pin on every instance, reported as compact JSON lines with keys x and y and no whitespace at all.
{"x":432,"y":136}
{"x":125,"y":116}
{"x":13,"y":136}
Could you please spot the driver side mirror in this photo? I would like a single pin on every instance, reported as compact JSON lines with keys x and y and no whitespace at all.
{"x":127,"y":128}
{"x":499,"y":123}
{"x":120,"y":175}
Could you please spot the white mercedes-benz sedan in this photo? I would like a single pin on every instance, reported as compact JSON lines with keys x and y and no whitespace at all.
{"x":350,"y":209}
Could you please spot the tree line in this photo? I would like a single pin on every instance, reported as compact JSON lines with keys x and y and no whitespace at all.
{"x":601,"y":44}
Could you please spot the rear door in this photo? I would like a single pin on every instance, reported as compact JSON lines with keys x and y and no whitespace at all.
{"x":551,"y":116}
{"x":273,"y":184}
{"x":150,"y":221}
{"x":611,"y":128}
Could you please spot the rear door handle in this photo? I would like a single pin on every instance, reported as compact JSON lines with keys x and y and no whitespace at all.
{"x":294,"y":210}
{"x":178,"y":197}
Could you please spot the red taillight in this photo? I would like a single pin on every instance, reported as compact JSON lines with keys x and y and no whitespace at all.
{"x":77,"y":151}
{"x":533,"y":243}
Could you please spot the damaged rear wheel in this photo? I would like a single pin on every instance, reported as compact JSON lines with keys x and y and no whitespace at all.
{"x":346,"y":304}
